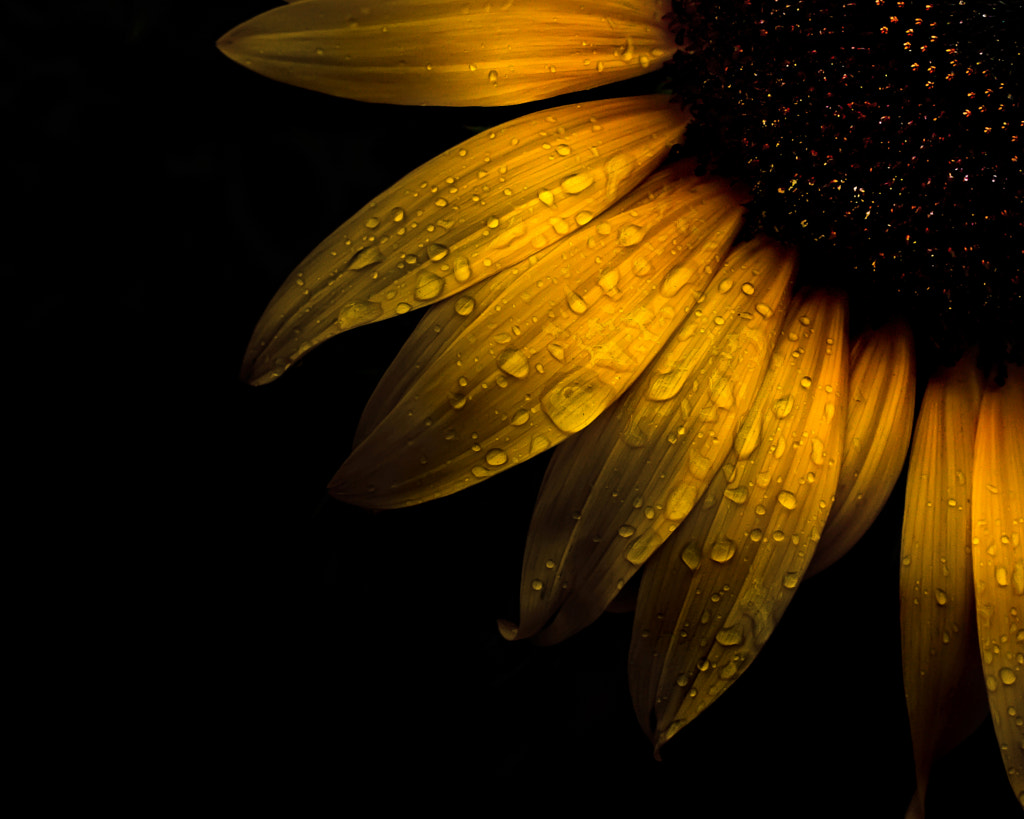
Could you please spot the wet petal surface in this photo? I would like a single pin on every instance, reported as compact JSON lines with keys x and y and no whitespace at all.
{"x":712,"y":594}
{"x":483,"y":206}
{"x":431,"y":52}
{"x":544,"y":350}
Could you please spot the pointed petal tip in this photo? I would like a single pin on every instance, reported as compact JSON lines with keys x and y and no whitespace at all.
{"x":508,"y":630}
{"x":257,"y":377}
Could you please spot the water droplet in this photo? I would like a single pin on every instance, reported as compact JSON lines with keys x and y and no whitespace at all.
{"x":783,"y":407}
{"x":358,"y":313}
{"x":577,"y":183}
{"x":626,"y":530}
{"x":675,"y":280}
{"x":1007,"y":676}
{"x":537,"y":585}
{"x":372,"y":223}
{"x":520,"y":417}
{"x":577,"y":400}
{"x":940,"y":597}
{"x":436,"y":252}
{"x":730,"y":636}
{"x":748,"y":436}
{"x":723,"y":550}
{"x":429,"y":286}
{"x":787,"y":500}
{"x":461,"y":270}
{"x":365,"y":257}
{"x":691,"y":556}
{"x":790,"y":579}
{"x":630,"y":235}
{"x":818,"y":451}
{"x":464,"y":305}
{"x":547,"y":197}
{"x":496,"y":457}
{"x":492,"y":77}
{"x":737,"y":494}
{"x":514,"y":363}
{"x":576,"y":302}
{"x":805,"y":382}
{"x":680,"y":501}
{"x":397,"y":214}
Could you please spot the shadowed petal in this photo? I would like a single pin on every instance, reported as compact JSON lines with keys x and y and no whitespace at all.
{"x":620,"y":487}
{"x":432,"y":52}
{"x":997,"y":547}
{"x":478,"y":208}
{"x":936,"y":594}
{"x":541,"y":356}
{"x":878,"y":428}
{"x":712,"y":594}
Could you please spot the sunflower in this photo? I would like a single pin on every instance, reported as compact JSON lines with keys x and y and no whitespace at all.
{"x":713,"y":301}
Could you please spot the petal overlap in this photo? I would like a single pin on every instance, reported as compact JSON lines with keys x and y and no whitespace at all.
{"x":483,"y":206}
{"x":617,"y":490}
{"x":544,"y":350}
{"x":712,"y":594}
{"x":878,"y":429}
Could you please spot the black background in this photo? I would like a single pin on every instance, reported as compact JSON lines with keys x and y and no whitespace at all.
{"x":201,"y":625}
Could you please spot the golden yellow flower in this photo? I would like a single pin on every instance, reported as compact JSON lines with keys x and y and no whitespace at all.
{"x":586,"y":288}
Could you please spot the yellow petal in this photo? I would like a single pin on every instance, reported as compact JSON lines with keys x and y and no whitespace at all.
{"x":478,"y":208}
{"x":545,"y":350}
{"x":714,"y":591}
{"x":881,"y":418}
{"x":474,"y":52}
{"x":997,"y":547}
{"x":617,"y":490}
{"x":936,"y":597}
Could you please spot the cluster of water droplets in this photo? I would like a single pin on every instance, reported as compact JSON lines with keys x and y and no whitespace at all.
{"x":482,"y":207}
{"x":548,"y":346}
{"x":719,"y":586}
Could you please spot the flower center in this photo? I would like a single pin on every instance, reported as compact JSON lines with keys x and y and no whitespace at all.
{"x":884,"y":138}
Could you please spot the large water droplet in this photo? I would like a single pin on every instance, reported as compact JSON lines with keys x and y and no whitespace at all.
{"x":783,"y":407}
{"x":730,"y":636}
{"x":675,"y":280}
{"x":496,"y":457}
{"x":691,"y":556}
{"x":429,"y":286}
{"x":578,"y":183}
{"x":723,"y":550}
{"x":365,"y":257}
{"x":681,"y":501}
{"x":436,"y":252}
{"x":577,"y":400}
{"x":461,"y":270}
{"x":514,"y":362}
{"x":576,"y":302}
{"x":787,"y":500}
{"x":358,"y":313}
{"x":630,"y":235}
